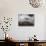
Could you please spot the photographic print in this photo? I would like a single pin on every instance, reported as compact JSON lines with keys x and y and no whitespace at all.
{"x":26,"y":19}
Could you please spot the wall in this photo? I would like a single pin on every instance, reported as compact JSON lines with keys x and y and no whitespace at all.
{"x":11,"y":8}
